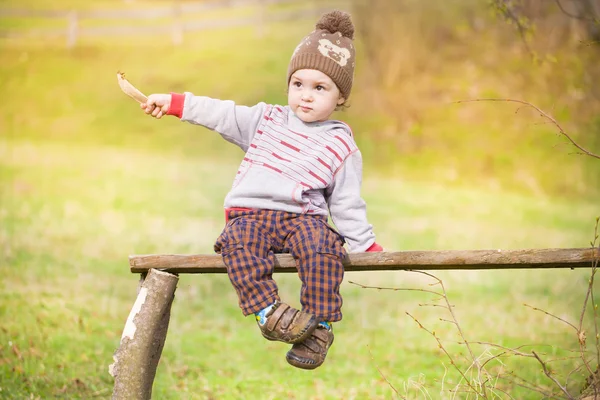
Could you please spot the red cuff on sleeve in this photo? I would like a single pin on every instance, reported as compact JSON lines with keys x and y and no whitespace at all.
{"x":176,"y":107}
{"x":374,"y":247}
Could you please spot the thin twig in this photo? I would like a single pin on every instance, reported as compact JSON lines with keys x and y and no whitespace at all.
{"x":563,"y":359}
{"x":593,"y":375}
{"x":432,"y":305}
{"x":396,"y":289}
{"x":549,"y":375}
{"x":580,"y":331}
{"x":503,"y":391}
{"x":568,"y":14}
{"x":572,"y":372}
{"x":595,"y":306}
{"x":421,"y":388}
{"x":514,"y":351}
{"x":528,"y":385}
{"x":441,"y":346}
{"x":495,"y":357}
{"x":506,"y":9}
{"x":383,"y":376}
{"x":552,"y":315}
{"x":543,"y":114}
{"x":447,"y":320}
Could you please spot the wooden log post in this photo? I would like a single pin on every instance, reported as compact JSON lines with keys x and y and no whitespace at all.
{"x":143,"y":339}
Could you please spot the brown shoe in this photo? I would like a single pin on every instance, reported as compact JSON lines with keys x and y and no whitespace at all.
{"x":286,"y":324}
{"x":311,"y":353}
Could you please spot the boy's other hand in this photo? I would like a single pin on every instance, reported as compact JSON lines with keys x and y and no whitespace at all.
{"x":157,"y":105}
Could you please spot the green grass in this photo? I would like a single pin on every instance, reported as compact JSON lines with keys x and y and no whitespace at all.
{"x":71,"y":213}
{"x":86,"y":180}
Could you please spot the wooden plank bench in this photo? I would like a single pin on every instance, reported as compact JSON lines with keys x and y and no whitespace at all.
{"x":136,"y":359}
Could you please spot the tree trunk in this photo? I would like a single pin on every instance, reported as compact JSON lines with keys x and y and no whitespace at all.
{"x":136,"y":359}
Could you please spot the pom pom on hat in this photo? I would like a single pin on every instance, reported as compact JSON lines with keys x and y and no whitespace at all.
{"x":337,"y":21}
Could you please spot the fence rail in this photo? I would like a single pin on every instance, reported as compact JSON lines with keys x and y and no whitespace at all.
{"x":404,"y":260}
{"x":175,"y":23}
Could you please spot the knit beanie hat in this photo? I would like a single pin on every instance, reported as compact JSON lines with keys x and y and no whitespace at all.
{"x":328,"y":49}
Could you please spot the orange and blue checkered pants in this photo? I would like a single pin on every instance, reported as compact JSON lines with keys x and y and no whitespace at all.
{"x":249,"y":242}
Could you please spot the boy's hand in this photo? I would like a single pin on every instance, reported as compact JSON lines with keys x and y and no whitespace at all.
{"x":157,"y":105}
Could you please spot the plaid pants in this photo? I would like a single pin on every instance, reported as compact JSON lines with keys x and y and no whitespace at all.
{"x":252,"y":237}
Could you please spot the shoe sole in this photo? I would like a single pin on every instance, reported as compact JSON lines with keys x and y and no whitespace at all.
{"x":301,"y":363}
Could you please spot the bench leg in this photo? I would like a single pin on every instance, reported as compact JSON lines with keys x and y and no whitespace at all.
{"x":136,"y":359}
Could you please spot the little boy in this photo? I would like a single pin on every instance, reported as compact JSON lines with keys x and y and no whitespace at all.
{"x":299,"y":167}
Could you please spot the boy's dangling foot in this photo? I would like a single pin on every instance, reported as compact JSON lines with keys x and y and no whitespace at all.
{"x":281,"y":322}
{"x":311,"y":353}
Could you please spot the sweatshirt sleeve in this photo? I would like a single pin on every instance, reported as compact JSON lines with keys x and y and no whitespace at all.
{"x":347,"y":208}
{"x":236,"y":124}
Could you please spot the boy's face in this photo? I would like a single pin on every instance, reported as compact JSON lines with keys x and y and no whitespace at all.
{"x":312,"y":95}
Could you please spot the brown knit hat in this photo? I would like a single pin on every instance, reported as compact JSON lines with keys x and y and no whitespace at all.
{"x":328,"y":49}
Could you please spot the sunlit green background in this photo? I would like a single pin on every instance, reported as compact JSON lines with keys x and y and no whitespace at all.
{"x":86,"y":179}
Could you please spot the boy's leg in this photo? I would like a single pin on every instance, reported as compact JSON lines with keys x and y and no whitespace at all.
{"x":319,"y":252}
{"x":247,"y":253}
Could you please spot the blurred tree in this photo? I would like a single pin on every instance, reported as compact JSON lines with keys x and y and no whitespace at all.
{"x":419,"y":57}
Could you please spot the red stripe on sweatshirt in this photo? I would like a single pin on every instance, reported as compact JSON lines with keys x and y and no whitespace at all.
{"x":324,"y":163}
{"x":272,"y":167}
{"x":299,"y":159}
{"x":279,"y":157}
{"x":301,"y":163}
{"x":343,"y":141}
{"x":301,"y":173}
{"x":334,"y":152}
{"x":318,"y":177}
{"x":290,"y":146}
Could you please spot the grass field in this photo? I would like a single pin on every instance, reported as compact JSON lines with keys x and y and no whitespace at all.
{"x":86,"y":180}
{"x":71,"y":214}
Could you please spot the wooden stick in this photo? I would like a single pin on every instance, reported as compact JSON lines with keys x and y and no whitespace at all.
{"x":404,"y":260}
{"x":136,"y":359}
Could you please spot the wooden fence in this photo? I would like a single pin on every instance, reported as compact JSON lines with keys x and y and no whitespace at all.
{"x":174,"y":20}
{"x":136,"y":359}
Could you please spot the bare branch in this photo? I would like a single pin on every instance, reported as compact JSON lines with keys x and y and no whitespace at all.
{"x":441,"y":346}
{"x":396,"y":289}
{"x":543,"y":114}
{"x":506,"y":9}
{"x":432,"y":305}
{"x":528,"y":385}
{"x":549,"y":375}
{"x":383,"y":376}
{"x":572,"y":372}
{"x":514,"y":351}
{"x":587,"y":296}
{"x":568,"y":14}
{"x":447,"y":320}
{"x":594,"y":268}
{"x":553,"y":316}
{"x":503,"y":391}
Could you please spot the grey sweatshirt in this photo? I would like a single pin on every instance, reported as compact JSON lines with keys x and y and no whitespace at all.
{"x":289,"y":165}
